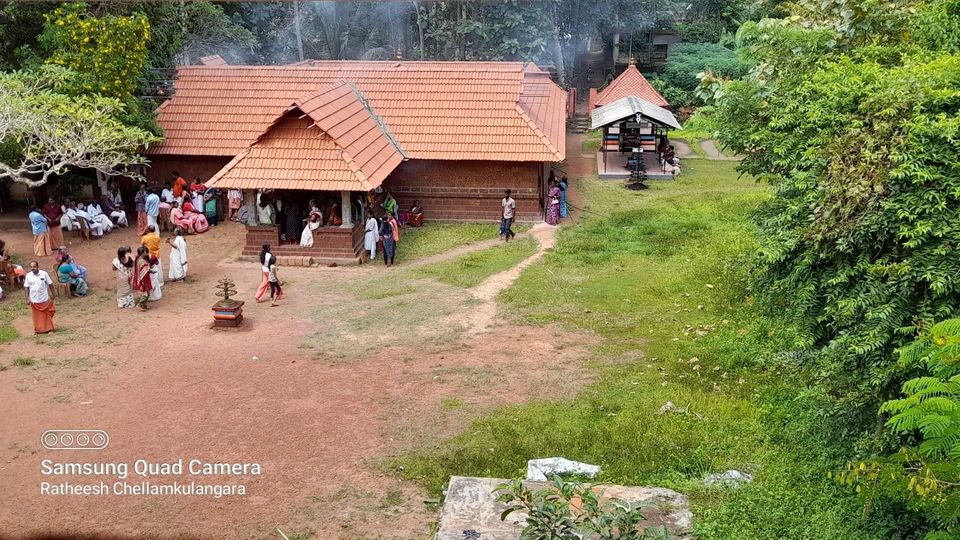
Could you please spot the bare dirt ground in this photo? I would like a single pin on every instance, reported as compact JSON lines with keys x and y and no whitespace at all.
{"x":319,"y":391}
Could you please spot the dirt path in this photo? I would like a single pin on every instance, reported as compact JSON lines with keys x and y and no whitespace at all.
{"x":483,"y":315}
{"x":710,"y":148}
{"x":166,"y":386}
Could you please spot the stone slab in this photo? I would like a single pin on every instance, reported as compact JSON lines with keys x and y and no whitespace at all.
{"x":471,"y":511}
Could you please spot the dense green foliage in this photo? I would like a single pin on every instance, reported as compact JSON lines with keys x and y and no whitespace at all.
{"x":687,"y":62}
{"x":853,"y":120}
{"x":925,"y":472}
{"x":108,"y":54}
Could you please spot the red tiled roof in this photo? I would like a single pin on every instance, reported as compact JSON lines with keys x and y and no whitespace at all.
{"x":329,"y":141}
{"x":630,"y":83}
{"x":504,"y":111}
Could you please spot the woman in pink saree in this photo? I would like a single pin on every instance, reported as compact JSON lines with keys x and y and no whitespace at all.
{"x":187,"y":219}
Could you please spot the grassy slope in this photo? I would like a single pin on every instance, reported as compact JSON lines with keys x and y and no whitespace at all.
{"x":471,"y":269}
{"x":660,"y":275}
{"x":434,"y":238}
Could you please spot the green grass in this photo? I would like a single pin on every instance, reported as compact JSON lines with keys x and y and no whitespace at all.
{"x":589,"y":146}
{"x":23,"y":361}
{"x":10,"y":308}
{"x":661,"y":277}
{"x":471,"y":269}
{"x":434,"y":238}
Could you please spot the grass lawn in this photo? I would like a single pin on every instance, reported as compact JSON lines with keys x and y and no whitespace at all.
{"x":589,"y":146}
{"x":434,"y":238}
{"x":660,"y":276}
{"x":10,"y":308}
{"x":471,"y":269}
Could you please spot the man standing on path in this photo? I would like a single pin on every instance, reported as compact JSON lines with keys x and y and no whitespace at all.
{"x":508,"y":205}
{"x":38,"y":287}
{"x":152,"y":207}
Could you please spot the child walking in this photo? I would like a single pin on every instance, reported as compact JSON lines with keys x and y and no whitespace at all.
{"x":276,"y":293}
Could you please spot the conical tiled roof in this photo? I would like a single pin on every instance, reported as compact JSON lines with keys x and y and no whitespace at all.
{"x":630,"y":83}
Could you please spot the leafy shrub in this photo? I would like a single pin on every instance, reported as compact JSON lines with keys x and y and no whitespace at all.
{"x":571,"y":510}
{"x":680,"y":76}
{"x":858,"y":139}
{"x":925,"y":471}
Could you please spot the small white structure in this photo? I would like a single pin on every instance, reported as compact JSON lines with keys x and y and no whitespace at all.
{"x":539,"y":470}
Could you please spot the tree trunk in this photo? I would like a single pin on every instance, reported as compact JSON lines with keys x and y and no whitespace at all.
{"x":616,"y":48}
{"x":296,"y":28}
{"x":416,"y":5}
{"x":557,"y":49}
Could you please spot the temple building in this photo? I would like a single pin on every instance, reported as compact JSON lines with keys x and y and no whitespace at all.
{"x":452,"y":135}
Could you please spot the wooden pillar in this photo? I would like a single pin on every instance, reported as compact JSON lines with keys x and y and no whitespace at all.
{"x":346,"y":210}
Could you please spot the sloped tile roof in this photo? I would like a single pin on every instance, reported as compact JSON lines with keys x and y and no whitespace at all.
{"x":630,"y":83}
{"x":330,"y":140}
{"x":629,"y":107}
{"x":503,"y":111}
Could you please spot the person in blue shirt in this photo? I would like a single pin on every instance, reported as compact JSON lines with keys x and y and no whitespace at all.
{"x":152,"y":207}
{"x":41,"y":233}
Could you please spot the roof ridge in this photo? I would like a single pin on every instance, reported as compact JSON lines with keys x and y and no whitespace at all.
{"x":539,"y":132}
{"x":352,"y":163}
{"x":377,"y":119}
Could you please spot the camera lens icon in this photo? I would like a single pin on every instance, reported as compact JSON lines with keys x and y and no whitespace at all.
{"x":74,"y":439}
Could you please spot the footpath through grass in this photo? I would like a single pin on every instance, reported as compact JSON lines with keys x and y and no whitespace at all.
{"x":471,"y":269}
{"x":660,"y":276}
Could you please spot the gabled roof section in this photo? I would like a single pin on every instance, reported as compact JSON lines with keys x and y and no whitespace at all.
{"x":328,"y":141}
{"x":628,"y":107}
{"x":544,"y":104}
{"x":500,"y":111}
{"x":630,"y":83}
{"x":213,"y":60}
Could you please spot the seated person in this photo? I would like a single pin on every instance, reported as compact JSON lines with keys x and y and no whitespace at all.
{"x":116,"y":214}
{"x":66,"y":222}
{"x":18,"y":270}
{"x":67,"y":273}
{"x":76,"y":212}
{"x":97,"y":214}
{"x":414,"y":217}
{"x":187,"y":219}
{"x":336,"y":219}
{"x":63,"y":255}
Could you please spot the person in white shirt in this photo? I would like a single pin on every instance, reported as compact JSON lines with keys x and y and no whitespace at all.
{"x":96,"y":229}
{"x":166,"y":194}
{"x":38,"y":287}
{"x":96,"y":214}
{"x":508,"y":205}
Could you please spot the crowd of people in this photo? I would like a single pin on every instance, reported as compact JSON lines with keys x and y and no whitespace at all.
{"x":191,"y":208}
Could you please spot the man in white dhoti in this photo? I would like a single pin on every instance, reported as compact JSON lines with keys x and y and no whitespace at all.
{"x":96,"y":229}
{"x":96,"y":214}
{"x":116,"y":214}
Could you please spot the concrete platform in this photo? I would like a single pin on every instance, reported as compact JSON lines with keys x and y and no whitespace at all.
{"x":471,"y":510}
{"x":616,"y":167}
